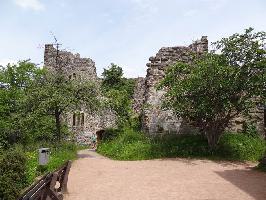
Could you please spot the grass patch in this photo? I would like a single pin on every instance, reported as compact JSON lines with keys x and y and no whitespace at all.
{"x":127,"y":144}
{"x":241,"y":147}
{"x":134,"y":145}
{"x":59,"y":154}
{"x":19,"y":165}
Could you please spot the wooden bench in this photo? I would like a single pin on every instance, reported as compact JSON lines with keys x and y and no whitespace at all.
{"x":50,"y":186}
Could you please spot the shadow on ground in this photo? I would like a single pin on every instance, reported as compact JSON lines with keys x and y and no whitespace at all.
{"x":250,"y":181}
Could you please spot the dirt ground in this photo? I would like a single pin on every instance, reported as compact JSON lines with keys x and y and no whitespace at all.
{"x":93,"y":177}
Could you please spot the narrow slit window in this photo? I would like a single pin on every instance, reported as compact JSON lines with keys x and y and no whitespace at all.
{"x":82,"y":119}
{"x":74,"y":120}
{"x":78,"y":120}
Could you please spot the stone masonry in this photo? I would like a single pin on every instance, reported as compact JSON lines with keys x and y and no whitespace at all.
{"x":83,"y":124}
{"x":72,"y":65}
{"x":154,"y":119}
{"x":138,"y":97}
{"x":149,"y":99}
{"x":146,"y":99}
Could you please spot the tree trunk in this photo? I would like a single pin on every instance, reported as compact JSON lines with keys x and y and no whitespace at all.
{"x":58,"y":124}
{"x":213,"y":135}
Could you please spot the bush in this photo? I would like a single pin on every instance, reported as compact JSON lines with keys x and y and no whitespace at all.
{"x":19,"y":166}
{"x":110,"y":134}
{"x":181,"y":146}
{"x":12,"y":173}
{"x":134,"y":145}
{"x":135,"y":122}
{"x":60,"y":153}
{"x":250,"y":129}
{"x":127,"y":145}
{"x":241,"y":147}
{"x":261,"y":167}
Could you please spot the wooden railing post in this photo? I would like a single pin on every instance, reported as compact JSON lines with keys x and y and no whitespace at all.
{"x":45,"y":189}
{"x":65,"y":178}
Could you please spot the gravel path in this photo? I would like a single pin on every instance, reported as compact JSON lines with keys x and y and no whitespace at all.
{"x":93,"y":177}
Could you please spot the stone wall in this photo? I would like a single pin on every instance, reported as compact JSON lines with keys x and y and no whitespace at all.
{"x":154,"y":119}
{"x":71,"y":64}
{"x":74,"y":67}
{"x":138,"y":97}
{"x":157,"y":121}
{"x":256,"y":118}
{"x":146,"y":100}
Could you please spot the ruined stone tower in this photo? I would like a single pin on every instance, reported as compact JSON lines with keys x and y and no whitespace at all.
{"x":73,"y":66}
{"x":154,"y":119}
{"x":83,"y":124}
{"x":148,"y":100}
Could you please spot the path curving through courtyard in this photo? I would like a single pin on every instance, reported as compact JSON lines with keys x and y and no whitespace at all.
{"x":94,"y":177}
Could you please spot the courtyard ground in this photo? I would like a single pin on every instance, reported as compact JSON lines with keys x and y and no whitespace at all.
{"x":93,"y":177}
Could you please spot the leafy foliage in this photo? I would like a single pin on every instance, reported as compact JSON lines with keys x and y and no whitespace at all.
{"x":19,"y":165}
{"x":261,"y":167}
{"x":128,"y":144}
{"x":54,"y":95}
{"x":12,"y":174}
{"x":214,"y":88}
{"x":119,"y":92}
{"x":250,"y":129}
{"x":134,"y":145}
{"x":241,"y":147}
{"x":14,"y":81}
{"x":113,"y":77}
{"x":33,"y":102}
{"x":119,"y":102}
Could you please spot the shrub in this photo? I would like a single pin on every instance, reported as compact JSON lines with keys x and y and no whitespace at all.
{"x":261,"y":166}
{"x":12,"y":173}
{"x":135,"y":122}
{"x":110,"y":134}
{"x":127,"y":145}
{"x":135,"y":145}
{"x":241,"y":147}
{"x":59,"y":154}
{"x":181,"y":146}
{"x":250,"y":129}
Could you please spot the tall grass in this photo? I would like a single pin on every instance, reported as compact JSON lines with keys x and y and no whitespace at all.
{"x":19,"y":166}
{"x":128,"y":144}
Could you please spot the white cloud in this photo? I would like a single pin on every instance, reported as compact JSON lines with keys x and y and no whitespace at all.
{"x":30,"y":4}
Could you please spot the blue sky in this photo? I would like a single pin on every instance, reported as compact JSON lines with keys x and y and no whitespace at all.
{"x":125,"y":32}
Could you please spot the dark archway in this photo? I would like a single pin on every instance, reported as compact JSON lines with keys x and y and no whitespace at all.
{"x":100,"y":135}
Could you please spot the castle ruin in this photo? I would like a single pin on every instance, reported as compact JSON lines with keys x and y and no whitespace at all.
{"x":146,"y":99}
{"x":82,"y":123}
{"x":154,"y":119}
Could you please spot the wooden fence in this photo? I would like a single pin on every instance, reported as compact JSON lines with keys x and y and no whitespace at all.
{"x":50,"y":186}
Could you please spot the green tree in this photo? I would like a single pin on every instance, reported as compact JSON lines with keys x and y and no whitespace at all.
{"x":113,"y":77}
{"x":14,"y":81}
{"x":119,"y":102}
{"x":213,"y":89}
{"x":119,"y":92}
{"x":53,"y":94}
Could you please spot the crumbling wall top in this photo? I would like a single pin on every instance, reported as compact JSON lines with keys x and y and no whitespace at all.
{"x":71,"y":64}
